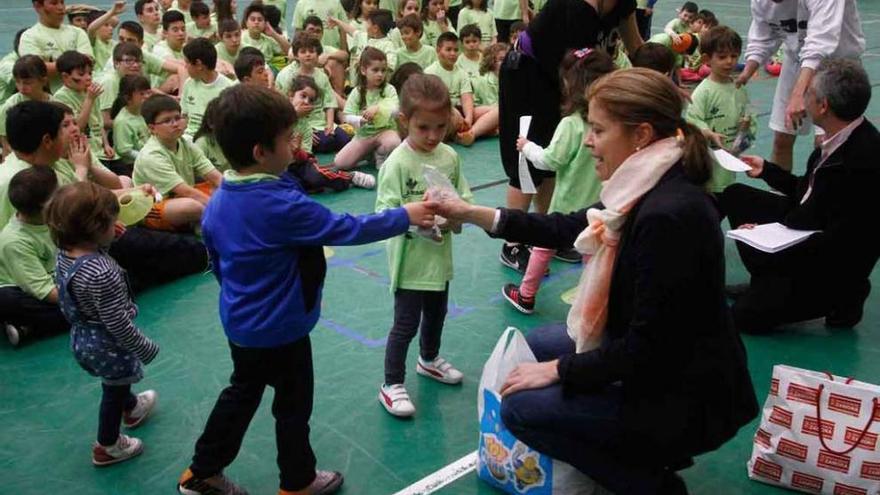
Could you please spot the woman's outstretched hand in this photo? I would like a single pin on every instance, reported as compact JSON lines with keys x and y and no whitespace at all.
{"x":452,"y":208}
{"x":529,"y":376}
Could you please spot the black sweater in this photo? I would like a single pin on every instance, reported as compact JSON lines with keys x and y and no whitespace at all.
{"x":670,"y":340}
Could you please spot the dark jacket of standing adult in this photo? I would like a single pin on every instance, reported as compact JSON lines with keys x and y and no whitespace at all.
{"x":670,"y":340}
{"x":841,"y":205}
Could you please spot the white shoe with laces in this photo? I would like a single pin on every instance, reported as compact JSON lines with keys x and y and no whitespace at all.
{"x":124,"y":449}
{"x":439,"y":369}
{"x":395,"y":400}
{"x":146,"y":401}
{"x":362,"y":180}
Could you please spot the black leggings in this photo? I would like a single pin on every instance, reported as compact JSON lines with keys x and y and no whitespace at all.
{"x":114,"y":401}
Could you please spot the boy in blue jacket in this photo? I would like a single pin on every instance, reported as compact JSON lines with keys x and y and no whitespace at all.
{"x":266,"y":237}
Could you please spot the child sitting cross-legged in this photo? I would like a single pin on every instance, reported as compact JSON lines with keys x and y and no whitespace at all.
{"x":96,"y":299}
{"x":372,"y":107}
{"x":266,"y":239}
{"x":31,"y":78}
{"x":28,"y":297}
{"x":130,"y":132}
{"x":304,"y":92}
{"x":171,"y":164}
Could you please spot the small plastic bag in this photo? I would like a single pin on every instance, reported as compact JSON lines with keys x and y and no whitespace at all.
{"x":439,"y":188}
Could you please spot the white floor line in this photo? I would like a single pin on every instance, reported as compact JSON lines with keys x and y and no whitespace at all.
{"x":442,"y":477}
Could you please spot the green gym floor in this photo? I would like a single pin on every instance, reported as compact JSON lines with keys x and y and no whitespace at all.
{"x":48,"y":405}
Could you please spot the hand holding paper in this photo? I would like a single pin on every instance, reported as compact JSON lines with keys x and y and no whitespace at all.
{"x":525,"y":178}
{"x":730,"y":162}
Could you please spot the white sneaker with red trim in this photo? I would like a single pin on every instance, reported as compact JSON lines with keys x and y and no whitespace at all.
{"x":439,"y":369}
{"x":396,"y":401}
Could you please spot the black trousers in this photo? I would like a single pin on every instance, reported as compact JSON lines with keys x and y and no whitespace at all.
{"x":22,"y":309}
{"x":152,"y":257}
{"x":785,"y":287}
{"x":115,"y":399}
{"x":525,"y":89}
{"x":317,"y":179}
{"x":412,"y":307}
{"x":287,"y":369}
{"x":644,"y":23}
{"x":503,"y":28}
{"x":452,"y":15}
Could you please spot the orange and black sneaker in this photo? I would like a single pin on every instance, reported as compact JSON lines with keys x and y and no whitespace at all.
{"x":218,"y":484}
{"x":524,"y":304}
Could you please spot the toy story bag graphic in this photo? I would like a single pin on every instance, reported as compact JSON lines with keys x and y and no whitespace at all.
{"x":502,"y":460}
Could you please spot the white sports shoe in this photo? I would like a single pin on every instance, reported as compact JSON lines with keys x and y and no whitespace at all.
{"x":395,"y":400}
{"x":439,"y":369}
{"x":124,"y":449}
{"x":362,"y":180}
{"x":146,"y":401}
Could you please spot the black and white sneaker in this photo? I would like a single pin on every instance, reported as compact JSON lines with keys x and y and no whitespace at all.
{"x":569,"y":256}
{"x":16,"y":334}
{"x":515,"y":256}
{"x":525,"y":305}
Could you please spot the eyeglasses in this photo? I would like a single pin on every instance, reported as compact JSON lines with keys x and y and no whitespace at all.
{"x":172,"y":120}
{"x":130,"y":61}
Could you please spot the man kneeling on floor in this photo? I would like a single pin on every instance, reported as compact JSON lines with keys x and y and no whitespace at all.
{"x":826,"y":275}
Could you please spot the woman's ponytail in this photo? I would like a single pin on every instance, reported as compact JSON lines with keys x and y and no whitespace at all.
{"x":696,"y":158}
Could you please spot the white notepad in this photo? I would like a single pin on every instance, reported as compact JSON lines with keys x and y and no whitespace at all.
{"x":771,"y":237}
{"x":730,"y":162}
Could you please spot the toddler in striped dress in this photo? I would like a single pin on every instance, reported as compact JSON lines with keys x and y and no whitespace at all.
{"x":95,"y":297}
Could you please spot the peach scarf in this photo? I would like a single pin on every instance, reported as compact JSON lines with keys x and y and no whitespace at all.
{"x":635,"y":177}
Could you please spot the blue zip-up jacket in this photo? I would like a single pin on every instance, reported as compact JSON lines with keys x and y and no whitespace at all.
{"x":266,"y":241}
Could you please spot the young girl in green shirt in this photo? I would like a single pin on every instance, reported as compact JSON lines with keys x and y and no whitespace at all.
{"x":421,"y":268}
{"x":577,"y":185}
{"x":371,"y":106}
{"x":130,"y":132}
{"x":435,"y":21}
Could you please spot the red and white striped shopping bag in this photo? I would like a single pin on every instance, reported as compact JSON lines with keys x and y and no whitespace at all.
{"x":818,"y":434}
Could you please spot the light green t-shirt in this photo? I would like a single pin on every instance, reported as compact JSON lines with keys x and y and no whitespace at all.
{"x":7,"y":82}
{"x":677,"y":26}
{"x":151,"y":40}
{"x":165,"y":169}
{"x":163,"y":52}
{"x":9,"y":103}
{"x":417,"y":263}
{"x":387,"y":102}
{"x":223,"y":53}
{"x":507,"y":10}
{"x":27,"y":258}
{"x":303,"y":130}
{"x":666,"y":40}
{"x":75,"y":101}
{"x":485,"y":89}
{"x":470,"y":67}
{"x":385,"y":45}
{"x":152,"y":67}
{"x":484,"y":19}
{"x":720,"y":107}
{"x":424,"y":56}
{"x":577,"y":185}
{"x":621,"y":59}
{"x":193,"y":31}
{"x":65,"y":171}
{"x":10,"y":166}
{"x":432,"y":30}
{"x":103,"y":52}
{"x":324,"y":9}
{"x":537,"y":5}
{"x":130,"y":133}
{"x":642,"y":4}
{"x":212,"y":152}
{"x":317,"y":119}
{"x":186,"y":15}
{"x":267,"y":46}
{"x":195,"y":97}
{"x":456,"y":81}
{"x":49,"y":44}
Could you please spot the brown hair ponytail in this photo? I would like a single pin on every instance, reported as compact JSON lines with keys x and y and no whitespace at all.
{"x":637,"y":96}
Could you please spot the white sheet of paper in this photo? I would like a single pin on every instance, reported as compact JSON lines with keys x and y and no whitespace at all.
{"x":524,"y":123}
{"x":526,"y":184}
{"x":770,"y":237}
{"x":730,"y":162}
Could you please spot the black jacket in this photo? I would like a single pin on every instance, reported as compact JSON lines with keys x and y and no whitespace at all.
{"x":841,"y":205}
{"x":670,"y":340}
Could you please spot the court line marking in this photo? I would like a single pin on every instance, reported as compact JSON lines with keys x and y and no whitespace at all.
{"x":442,"y":477}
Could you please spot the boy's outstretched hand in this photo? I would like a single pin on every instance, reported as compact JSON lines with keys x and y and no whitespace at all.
{"x":421,"y":214}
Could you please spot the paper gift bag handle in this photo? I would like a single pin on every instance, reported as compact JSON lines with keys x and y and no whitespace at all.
{"x":874,"y":411}
{"x":849,"y":379}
